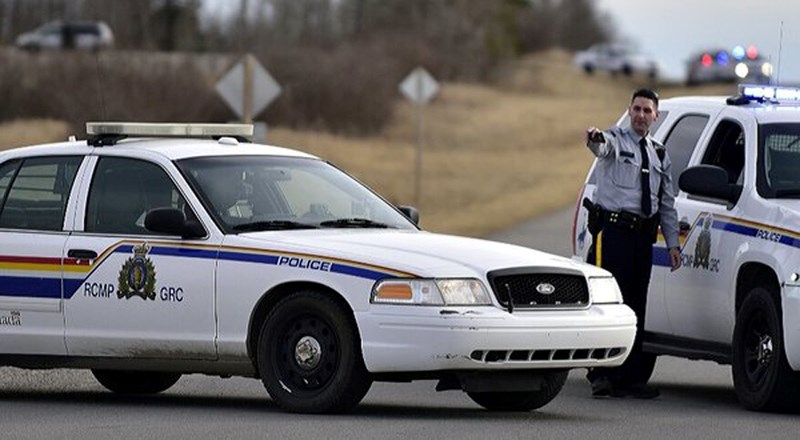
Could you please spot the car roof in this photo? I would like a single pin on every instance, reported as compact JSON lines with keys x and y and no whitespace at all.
{"x":762,"y":112}
{"x":170,"y":148}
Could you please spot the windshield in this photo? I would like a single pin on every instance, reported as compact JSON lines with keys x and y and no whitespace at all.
{"x":779,"y":161}
{"x":250,"y":193}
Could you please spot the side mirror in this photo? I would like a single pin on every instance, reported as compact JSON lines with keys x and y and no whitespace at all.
{"x":709,"y":181}
{"x":172,"y":221}
{"x":410,"y":212}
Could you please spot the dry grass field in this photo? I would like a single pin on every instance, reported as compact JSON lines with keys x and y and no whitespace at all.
{"x":493,"y":156}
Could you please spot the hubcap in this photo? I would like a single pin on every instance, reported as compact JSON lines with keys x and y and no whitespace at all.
{"x":758,"y":352}
{"x":764,"y":349}
{"x":307,"y":352}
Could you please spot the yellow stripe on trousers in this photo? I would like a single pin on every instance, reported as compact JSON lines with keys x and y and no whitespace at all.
{"x":598,"y":250}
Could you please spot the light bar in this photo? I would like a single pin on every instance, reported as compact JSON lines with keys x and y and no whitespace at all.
{"x":167,"y":129}
{"x":771,"y":93}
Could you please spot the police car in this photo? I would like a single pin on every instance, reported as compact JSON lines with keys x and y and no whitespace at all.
{"x":736,"y":300}
{"x":615,"y":58}
{"x":145,"y":252}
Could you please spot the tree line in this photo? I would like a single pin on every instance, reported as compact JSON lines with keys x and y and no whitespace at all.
{"x":323,"y":50}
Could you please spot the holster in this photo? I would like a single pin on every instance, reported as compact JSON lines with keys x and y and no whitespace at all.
{"x":595,"y":217}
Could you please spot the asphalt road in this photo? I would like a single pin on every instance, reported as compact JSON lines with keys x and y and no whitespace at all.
{"x":697,"y":402}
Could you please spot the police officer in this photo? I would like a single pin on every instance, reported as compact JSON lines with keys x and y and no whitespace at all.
{"x":634,"y":195}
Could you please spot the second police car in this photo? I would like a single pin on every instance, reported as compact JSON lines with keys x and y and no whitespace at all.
{"x":144,"y":258}
{"x":736,"y":300}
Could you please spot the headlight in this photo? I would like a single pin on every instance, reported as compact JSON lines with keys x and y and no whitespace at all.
{"x":451,"y":292}
{"x":604,"y":290}
{"x":742,"y":70}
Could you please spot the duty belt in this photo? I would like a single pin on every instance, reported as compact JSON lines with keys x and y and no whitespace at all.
{"x":627,"y":220}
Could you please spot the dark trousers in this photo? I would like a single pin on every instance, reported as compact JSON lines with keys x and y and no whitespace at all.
{"x":628,"y":255}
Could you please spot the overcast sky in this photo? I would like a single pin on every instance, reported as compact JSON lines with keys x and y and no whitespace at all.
{"x":671,"y":30}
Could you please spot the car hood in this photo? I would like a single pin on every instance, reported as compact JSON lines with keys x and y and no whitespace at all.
{"x":418,"y":253}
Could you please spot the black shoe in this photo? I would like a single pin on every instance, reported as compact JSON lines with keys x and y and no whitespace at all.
{"x":601,"y":387}
{"x":637,"y":391}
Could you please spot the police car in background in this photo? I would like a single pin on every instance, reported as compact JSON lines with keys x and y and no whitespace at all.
{"x":736,"y":300}
{"x":615,"y":58}
{"x":144,"y":258}
{"x":722,"y":65}
{"x":84,"y":35}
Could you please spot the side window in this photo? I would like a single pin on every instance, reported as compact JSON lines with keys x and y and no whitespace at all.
{"x":726,"y":150}
{"x":124,"y":190}
{"x":681,"y":141}
{"x":7,"y":171}
{"x":36,"y":196}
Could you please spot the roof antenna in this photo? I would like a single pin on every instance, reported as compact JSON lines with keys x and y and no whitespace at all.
{"x":100,"y":85}
{"x":780,"y":49}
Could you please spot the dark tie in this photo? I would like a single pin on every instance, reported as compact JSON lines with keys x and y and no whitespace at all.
{"x":647,"y":208}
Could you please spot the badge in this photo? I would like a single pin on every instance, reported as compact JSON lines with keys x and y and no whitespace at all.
{"x":138,"y":275}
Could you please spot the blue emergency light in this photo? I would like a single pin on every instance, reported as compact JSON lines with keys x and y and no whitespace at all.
{"x":769,"y":93}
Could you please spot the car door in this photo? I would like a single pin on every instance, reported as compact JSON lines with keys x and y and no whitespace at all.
{"x":34,"y":199}
{"x":699,"y":296}
{"x":145,"y":295}
{"x":681,"y":138}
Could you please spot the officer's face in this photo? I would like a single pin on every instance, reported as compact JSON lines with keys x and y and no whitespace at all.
{"x":643,"y":113}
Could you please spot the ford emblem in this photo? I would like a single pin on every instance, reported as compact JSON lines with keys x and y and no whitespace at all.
{"x":545,"y":289}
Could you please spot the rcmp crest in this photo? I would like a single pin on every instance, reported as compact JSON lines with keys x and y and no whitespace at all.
{"x":138,"y":275}
{"x":702,"y":249}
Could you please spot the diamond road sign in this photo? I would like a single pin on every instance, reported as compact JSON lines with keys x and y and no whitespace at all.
{"x":231,"y":88}
{"x":419,"y":86}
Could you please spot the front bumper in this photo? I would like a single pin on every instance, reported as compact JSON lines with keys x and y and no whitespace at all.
{"x":414,"y":338}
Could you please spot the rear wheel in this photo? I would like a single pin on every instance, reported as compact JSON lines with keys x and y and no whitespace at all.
{"x":522,"y":400}
{"x":309,"y":355}
{"x":627,"y":70}
{"x":135,"y":382}
{"x":761,"y":374}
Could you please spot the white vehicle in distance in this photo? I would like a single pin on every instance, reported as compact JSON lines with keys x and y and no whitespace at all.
{"x":82,"y":35}
{"x":722,"y":65}
{"x":143,"y":258}
{"x":616,"y":59}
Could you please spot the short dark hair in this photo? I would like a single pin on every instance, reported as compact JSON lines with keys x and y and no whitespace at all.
{"x":647,"y":94}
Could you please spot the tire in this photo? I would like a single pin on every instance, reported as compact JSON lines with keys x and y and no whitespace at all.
{"x":761,"y":374}
{"x":552,"y":382}
{"x":333,"y":377}
{"x":135,"y":382}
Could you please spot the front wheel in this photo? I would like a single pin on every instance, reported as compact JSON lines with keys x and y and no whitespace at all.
{"x":309,"y":355}
{"x":522,"y":400}
{"x":135,"y":382}
{"x":761,"y":374}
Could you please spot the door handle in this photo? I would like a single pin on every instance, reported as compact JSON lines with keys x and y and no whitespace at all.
{"x":82,"y":254}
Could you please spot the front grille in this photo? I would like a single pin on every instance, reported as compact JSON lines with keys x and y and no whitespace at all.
{"x":546,"y":355}
{"x":532,"y":288}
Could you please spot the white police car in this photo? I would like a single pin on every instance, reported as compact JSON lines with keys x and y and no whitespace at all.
{"x":146,"y":258}
{"x":615,"y":58}
{"x":737,"y":297}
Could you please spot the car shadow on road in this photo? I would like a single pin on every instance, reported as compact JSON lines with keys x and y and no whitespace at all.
{"x":162,"y":402}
